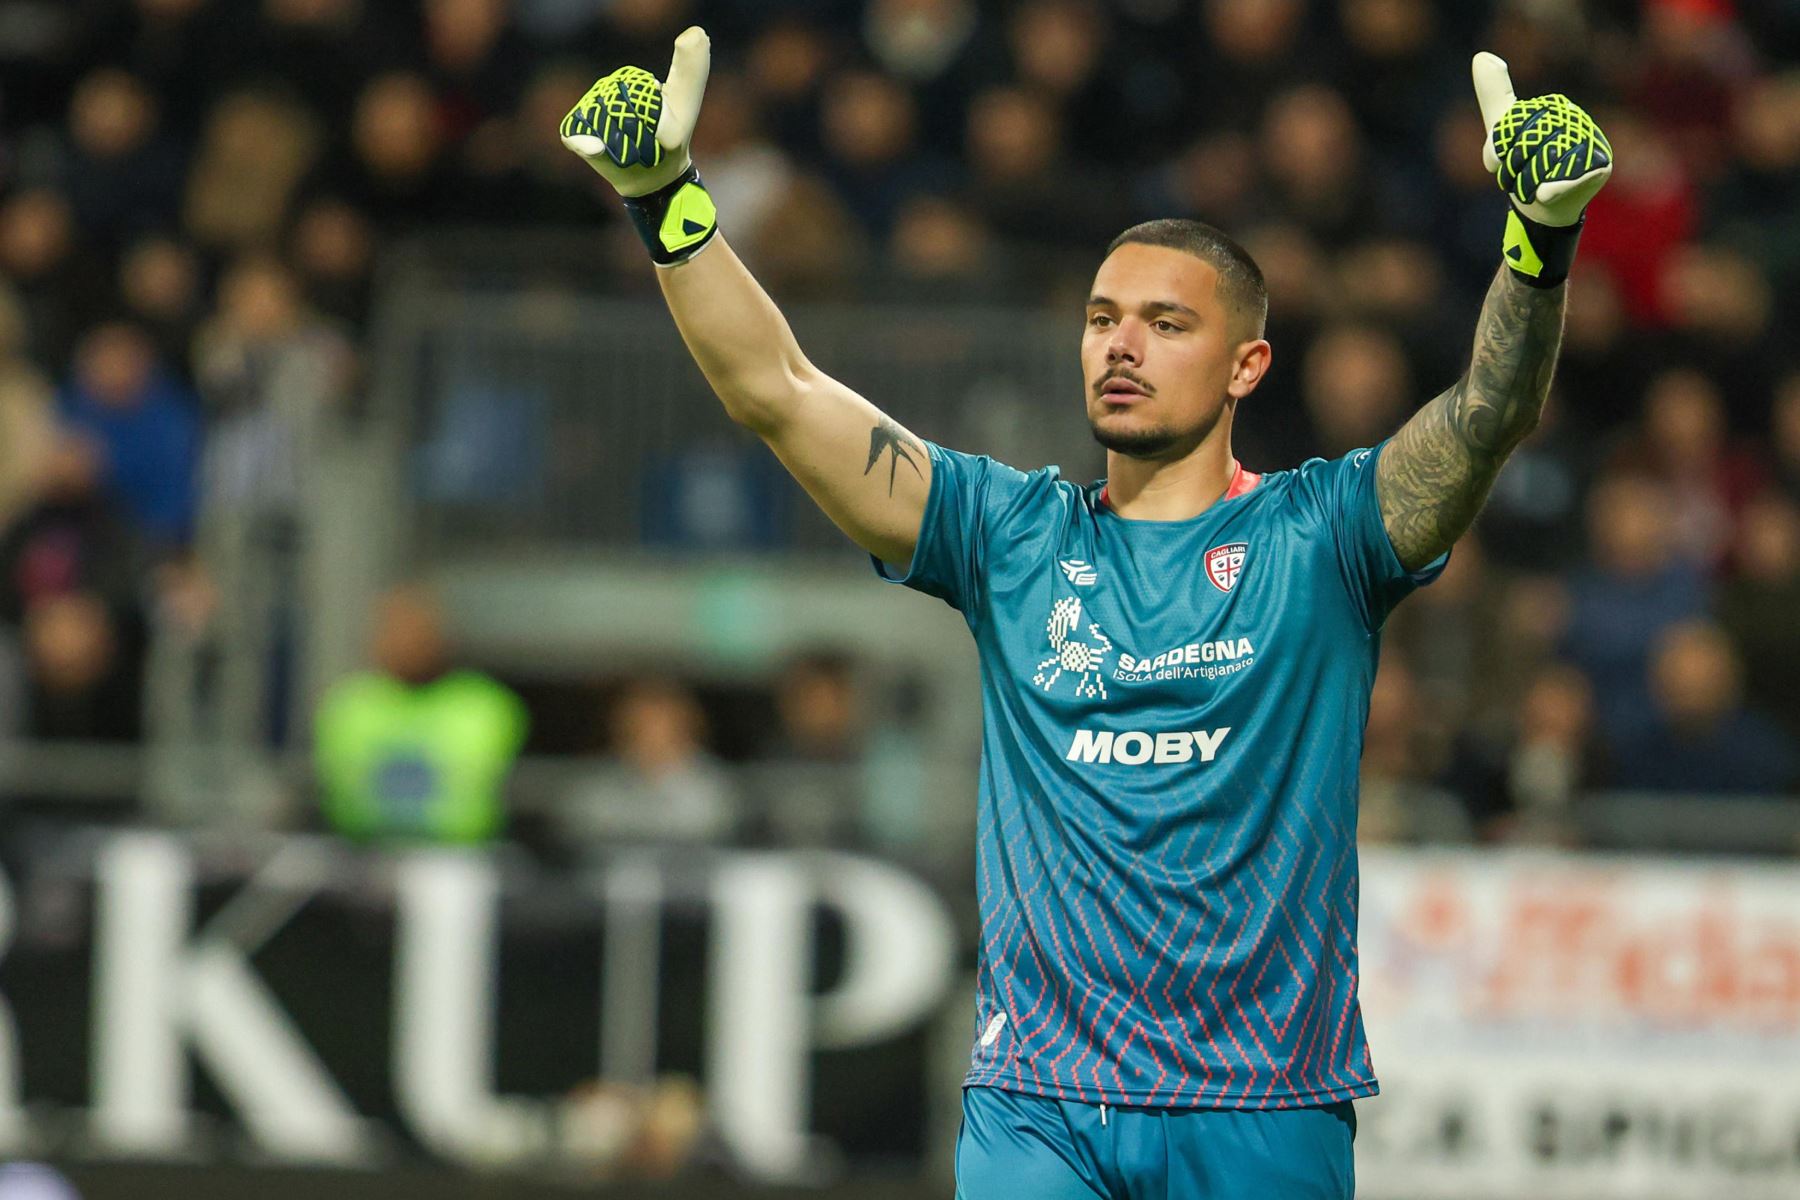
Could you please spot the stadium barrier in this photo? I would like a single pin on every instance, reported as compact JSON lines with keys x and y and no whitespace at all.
{"x":1546,"y":1025}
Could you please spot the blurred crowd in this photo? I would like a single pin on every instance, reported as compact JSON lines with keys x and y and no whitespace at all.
{"x":194,"y":195}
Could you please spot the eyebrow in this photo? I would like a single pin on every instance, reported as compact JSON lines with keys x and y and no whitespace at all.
{"x":1155,"y":306}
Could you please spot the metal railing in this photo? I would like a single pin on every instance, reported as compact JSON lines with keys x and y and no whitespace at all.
{"x":533,"y":417}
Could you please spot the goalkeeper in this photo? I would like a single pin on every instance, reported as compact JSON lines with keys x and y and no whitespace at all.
{"x":1175,"y":660}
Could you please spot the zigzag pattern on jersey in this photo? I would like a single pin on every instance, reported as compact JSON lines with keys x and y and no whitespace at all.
{"x":1228,"y":1036}
{"x":621,"y":110}
{"x":1546,"y":139}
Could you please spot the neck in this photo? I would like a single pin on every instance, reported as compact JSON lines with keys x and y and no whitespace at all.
{"x":1172,"y":489}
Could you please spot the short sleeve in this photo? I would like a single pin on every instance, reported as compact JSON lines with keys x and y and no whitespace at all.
{"x":970,"y":496}
{"x":1342,"y":491}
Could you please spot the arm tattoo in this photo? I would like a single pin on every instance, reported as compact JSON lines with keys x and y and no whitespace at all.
{"x":888,"y":436}
{"x":1435,"y":474}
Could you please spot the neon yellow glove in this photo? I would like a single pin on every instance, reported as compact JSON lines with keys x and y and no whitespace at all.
{"x":1550,"y":159}
{"x":635,"y":132}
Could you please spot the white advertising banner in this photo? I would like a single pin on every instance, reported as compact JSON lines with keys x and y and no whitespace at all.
{"x":1549,"y":1027}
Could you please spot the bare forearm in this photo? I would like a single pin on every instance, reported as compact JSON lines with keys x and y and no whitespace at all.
{"x":1436,"y":473}
{"x":738,"y":337}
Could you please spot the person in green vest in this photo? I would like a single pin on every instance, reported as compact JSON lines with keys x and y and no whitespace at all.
{"x":413,"y":750}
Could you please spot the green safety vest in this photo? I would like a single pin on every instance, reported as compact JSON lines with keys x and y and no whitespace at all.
{"x":430,"y":762}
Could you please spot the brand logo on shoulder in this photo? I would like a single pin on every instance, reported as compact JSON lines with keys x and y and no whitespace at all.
{"x":1080,"y":574}
{"x":1225,"y":563}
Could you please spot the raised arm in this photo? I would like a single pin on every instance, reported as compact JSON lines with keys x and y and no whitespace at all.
{"x":1435,"y":474}
{"x":870,"y":476}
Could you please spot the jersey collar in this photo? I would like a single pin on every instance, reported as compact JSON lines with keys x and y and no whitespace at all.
{"x":1242,"y":481}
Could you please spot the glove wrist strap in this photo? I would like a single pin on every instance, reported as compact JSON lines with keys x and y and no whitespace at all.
{"x":1540,"y":255}
{"x":677,"y":221}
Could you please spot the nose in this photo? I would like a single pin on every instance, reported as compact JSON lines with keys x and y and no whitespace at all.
{"x":1126,"y":345}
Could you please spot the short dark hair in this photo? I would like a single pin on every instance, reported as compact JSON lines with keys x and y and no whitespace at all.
{"x":1241,"y":285}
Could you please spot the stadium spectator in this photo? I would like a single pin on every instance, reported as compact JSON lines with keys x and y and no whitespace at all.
{"x":1523,"y":785}
{"x":1634,"y":585}
{"x":1703,"y":739}
{"x":160,"y":289}
{"x":84,"y":671}
{"x":1358,"y":386}
{"x":1312,"y":155}
{"x":146,"y":423}
{"x":414,"y":749}
{"x":255,"y":151}
{"x":26,"y":411}
{"x":333,"y":253}
{"x":271,"y":372}
{"x":122,"y":177}
{"x":813,"y":775}
{"x":70,"y":538}
{"x":56,"y":279}
{"x":1760,"y":607}
{"x":1401,"y":748}
{"x":1684,"y":443}
{"x":1785,"y":434}
{"x":661,"y":782}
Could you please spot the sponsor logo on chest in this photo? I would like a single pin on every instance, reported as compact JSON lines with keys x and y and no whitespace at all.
{"x":1134,"y":748}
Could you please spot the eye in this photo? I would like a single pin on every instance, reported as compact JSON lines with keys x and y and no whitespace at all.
{"x":1167,"y":326}
{"x":1099,"y":321}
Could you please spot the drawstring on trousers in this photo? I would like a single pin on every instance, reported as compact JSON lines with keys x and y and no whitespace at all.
{"x":1103,"y":1114}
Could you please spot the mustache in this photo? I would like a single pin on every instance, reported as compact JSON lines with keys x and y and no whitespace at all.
{"x":1120,"y":373}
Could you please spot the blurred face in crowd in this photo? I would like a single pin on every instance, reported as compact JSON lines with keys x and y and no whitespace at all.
{"x":1769,"y":541}
{"x":1387,"y":28}
{"x":1768,"y":125}
{"x":259,"y":298}
{"x":937,"y":239}
{"x":1630,"y":525}
{"x":1163,"y":357}
{"x":35,"y":227}
{"x":334,"y":242}
{"x":461,"y":32}
{"x":409,"y":636}
{"x":1310,"y":140}
{"x":1057,"y":43}
{"x":818,"y":705}
{"x":656,"y":726}
{"x":1558,"y":708}
{"x":111,"y":114}
{"x":646,"y":17}
{"x":1354,"y":381}
{"x":1718,"y":292}
{"x":69,"y":642}
{"x":312,"y":14}
{"x":1253,"y":30}
{"x":114,"y":363}
{"x":1785,"y":422}
{"x":1013,"y":135}
{"x":1684,"y":418}
{"x":396,"y":128}
{"x":160,"y":279}
{"x":1293,"y":267}
{"x":869,"y":119}
{"x":69,"y":469}
{"x":1695,"y":675}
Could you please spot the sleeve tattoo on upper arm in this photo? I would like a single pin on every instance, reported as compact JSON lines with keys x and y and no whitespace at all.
{"x":888,"y":437}
{"x":1435,"y":474}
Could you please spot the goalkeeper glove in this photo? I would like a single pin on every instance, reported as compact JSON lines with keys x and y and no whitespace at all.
{"x":635,"y":132}
{"x":1550,"y":159}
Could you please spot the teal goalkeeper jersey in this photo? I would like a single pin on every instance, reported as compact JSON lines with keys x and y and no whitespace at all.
{"x":1173,"y":718}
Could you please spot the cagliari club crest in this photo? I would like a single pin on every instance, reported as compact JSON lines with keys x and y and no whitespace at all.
{"x":1225,"y":563}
